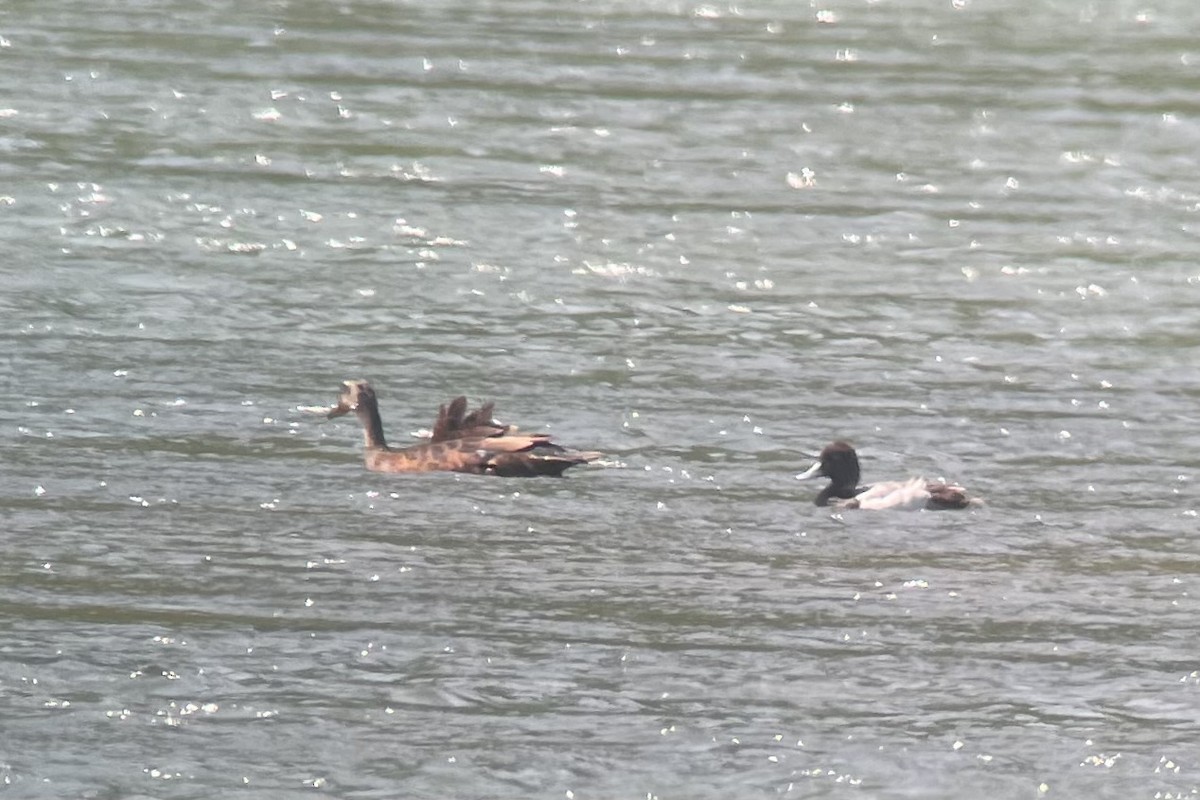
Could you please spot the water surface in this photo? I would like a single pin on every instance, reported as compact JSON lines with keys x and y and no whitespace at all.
{"x":704,"y":239}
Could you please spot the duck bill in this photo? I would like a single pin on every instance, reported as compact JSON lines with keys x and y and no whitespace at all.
{"x":340,"y":410}
{"x":811,"y":472}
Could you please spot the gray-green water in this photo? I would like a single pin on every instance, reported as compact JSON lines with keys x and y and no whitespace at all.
{"x":701,"y":238}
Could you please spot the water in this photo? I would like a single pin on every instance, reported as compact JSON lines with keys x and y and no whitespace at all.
{"x":700,"y":238}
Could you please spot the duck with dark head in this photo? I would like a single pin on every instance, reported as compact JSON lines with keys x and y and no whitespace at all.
{"x":462,"y":441}
{"x":839,"y":463}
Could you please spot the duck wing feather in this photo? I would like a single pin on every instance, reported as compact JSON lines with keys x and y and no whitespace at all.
{"x":455,"y":422}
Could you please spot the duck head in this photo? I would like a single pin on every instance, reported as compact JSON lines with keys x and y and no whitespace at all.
{"x":839,"y":463}
{"x":359,"y":397}
{"x":355,"y":395}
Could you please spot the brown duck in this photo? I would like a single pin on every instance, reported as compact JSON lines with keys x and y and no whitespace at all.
{"x":462,"y":441}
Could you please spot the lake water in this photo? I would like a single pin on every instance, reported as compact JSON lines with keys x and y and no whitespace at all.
{"x":703,"y":238}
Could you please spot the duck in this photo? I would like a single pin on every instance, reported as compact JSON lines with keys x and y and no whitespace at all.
{"x":839,"y":462}
{"x":461,"y":441}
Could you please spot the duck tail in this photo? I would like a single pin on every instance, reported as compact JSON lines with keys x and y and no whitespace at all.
{"x":946,"y":496}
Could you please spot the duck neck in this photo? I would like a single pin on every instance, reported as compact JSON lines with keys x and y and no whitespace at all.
{"x":842,"y":489}
{"x":368,"y":415}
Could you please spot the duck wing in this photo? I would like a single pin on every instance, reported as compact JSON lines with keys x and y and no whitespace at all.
{"x":512,"y":455}
{"x":455,"y":422}
{"x":482,"y":418}
{"x":537,"y":462}
{"x":449,"y":419}
{"x":529,"y":455}
{"x":909,"y":494}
